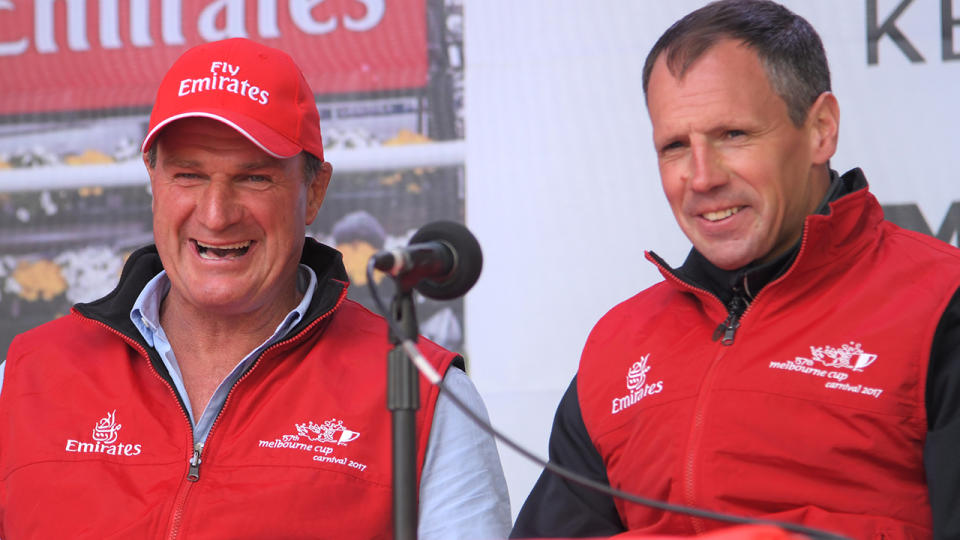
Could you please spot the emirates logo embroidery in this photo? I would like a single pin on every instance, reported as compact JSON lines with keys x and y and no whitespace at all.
{"x":104,"y":437}
{"x":637,"y":386}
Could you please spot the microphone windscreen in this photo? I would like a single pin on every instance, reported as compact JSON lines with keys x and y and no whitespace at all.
{"x":468,"y":259}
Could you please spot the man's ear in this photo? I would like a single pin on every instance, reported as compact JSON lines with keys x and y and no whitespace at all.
{"x":150,"y":172}
{"x":317,"y":190}
{"x":823,"y":120}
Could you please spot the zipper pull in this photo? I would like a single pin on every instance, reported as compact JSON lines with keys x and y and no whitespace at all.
{"x":194,"y":473}
{"x":727,"y":330}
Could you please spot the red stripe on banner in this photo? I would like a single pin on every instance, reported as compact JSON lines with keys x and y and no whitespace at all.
{"x":89,"y":54}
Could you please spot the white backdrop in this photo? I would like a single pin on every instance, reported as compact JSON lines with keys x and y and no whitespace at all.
{"x":562,"y":183}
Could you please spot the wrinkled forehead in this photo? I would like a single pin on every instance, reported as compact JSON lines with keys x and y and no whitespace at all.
{"x":681,"y":60}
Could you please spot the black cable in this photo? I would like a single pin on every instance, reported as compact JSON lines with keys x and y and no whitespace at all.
{"x":577,"y":478}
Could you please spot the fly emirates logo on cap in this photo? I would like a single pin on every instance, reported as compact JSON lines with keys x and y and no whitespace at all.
{"x":224,"y":77}
{"x":255,"y":89}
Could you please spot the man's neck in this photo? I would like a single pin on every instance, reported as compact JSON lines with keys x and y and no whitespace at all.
{"x":201,"y":334}
{"x":756,"y":275}
{"x":209,"y":346}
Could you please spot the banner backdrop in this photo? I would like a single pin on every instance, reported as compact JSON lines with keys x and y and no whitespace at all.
{"x":66,"y":54}
{"x":77,"y":80}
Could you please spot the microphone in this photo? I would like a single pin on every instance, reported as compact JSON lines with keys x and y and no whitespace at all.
{"x":442,"y":260}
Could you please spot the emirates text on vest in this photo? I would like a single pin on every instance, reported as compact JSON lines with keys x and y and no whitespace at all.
{"x":118,"y":449}
{"x":622,"y":403}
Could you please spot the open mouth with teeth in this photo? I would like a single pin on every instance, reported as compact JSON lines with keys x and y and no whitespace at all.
{"x":721,"y":214}
{"x":231,"y":251}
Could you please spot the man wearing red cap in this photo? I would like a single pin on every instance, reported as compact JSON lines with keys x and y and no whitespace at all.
{"x":227,"y":388}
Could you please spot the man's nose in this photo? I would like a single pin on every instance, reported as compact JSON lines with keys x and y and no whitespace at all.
{"x":218,"y":206}
{"x":706,"y":167}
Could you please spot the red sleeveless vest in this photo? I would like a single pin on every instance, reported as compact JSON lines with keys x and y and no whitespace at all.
{"x":814,"y":415}
{"x":94,"y":443}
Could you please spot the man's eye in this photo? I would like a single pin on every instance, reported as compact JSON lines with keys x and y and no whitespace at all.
{"x":186,"y":176}
{"x":734,"y":133}
{"x":258,"y":178}
{"x":671,"y":146}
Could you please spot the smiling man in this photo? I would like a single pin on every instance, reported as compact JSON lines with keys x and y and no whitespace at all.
{"x":227,"y":388}
{"x":803,"y":364}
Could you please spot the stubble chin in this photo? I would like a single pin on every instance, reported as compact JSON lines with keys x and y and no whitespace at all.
{"x":726,"y":255}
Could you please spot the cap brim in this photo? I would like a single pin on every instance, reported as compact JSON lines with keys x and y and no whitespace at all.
{"x":255,"y":131}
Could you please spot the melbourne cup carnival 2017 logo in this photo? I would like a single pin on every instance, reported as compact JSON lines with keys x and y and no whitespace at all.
{"x":839,"y":366}
{"x":320,"y":441}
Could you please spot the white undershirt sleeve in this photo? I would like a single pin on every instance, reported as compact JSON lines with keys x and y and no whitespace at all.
{"x":463,"y":493}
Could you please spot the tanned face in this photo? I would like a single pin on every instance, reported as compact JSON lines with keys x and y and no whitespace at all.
{"x":740,"y":177}
{"x":229,"y":219}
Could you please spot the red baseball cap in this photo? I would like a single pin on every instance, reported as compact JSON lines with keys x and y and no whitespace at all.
{"x":257,"y":90}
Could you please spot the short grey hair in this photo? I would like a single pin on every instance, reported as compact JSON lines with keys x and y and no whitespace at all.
{"x":789,"y":48}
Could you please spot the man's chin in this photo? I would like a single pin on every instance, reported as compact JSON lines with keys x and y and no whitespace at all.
{"x":217,"y":299}
{"x":726,"y":257}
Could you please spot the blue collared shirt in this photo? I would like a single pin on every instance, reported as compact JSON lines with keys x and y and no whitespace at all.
{"x":146,"y":316}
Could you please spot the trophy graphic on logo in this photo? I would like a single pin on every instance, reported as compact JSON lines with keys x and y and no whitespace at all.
{"x":848,"y":356}
{"x":863,"y":360}
{"x":331,"y":431}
